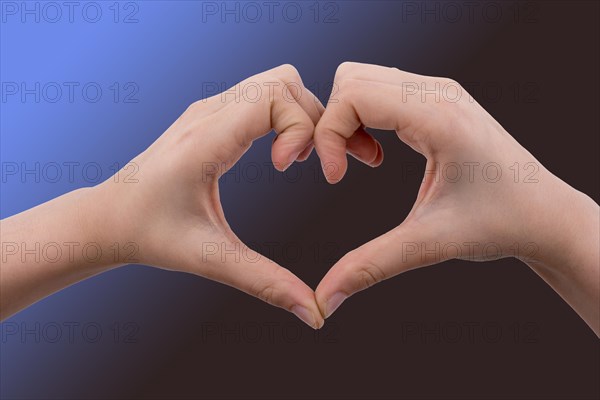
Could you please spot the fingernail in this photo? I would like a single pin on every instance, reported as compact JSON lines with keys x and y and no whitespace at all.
{"x":305,"y":315}
{"x":291,"y":160}
{"x":333,"y":303}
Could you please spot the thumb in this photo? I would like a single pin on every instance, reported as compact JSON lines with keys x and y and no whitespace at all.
{"x":233,"y":263}
{"x":410,"y":245}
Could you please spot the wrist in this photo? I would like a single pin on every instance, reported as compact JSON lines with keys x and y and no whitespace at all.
{"x":566,"y":231}
{"x":101,"y":227}
{"x":569,"y":256}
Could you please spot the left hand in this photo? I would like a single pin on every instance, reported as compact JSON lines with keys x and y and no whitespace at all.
{"x":174,"y":214}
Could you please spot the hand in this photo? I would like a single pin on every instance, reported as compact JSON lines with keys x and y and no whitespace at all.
{"x":173,"y":214}
{"x":483,"y":195}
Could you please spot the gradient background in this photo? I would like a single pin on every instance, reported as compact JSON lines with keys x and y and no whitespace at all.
{"x":534,"y":67}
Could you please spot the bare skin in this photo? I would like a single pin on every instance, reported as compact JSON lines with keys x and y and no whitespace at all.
{"x":172,"y":217}
{"x":483,"y":196}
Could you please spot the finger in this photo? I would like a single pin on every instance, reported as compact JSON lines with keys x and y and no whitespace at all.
{"x":235,"y":264}
{"x":241,"y":122}
{"x":376,"y":97}
{"x":365,"y":148}
{"x":265,"y":98}
{"x":382,"y":74}
{"x":294,"y":134}
{"x":360,"y":103}
{"x":289,"y":88}
{"x":306,"y":152}
{"x":303,"y":156}
{"x":283,"y":80}
{"x":295,"y":89}
{"x":309,"y":103}
{"x":314,"y":108}
{"x":406,"y":247}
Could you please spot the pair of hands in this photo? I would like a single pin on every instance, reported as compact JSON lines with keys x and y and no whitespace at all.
{"x":174,"y":208}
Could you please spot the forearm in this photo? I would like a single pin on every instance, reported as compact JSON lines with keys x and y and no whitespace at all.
{"x":569,"y":251}
{"x":50,"y":247}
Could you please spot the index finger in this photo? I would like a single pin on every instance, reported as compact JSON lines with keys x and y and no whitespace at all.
{"x":367,"y":95}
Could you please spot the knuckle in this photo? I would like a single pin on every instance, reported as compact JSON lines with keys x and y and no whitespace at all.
{"x":451,"y":96}
{"x":278,"y":94}
{"x":321,"y":133}
{"x":363,"y":273}
{"x":193,"y":107}
{"x":265,"y":292}
{"x":345,"y":69}
{"x":275,"y":289}
{"x":288,"y":68}
{"x":347,"y":87}
{"x":448,"y":82}
{"x":268,"y":90}
{"x":370,"y":274}
{"x":279,"y":84}
{"x":288,"y":72}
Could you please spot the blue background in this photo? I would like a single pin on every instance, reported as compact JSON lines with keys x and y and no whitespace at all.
{"x":546,"y":64}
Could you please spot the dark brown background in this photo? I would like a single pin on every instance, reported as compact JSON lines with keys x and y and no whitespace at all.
{"x":362,"y":354}
{"x":198,"y":339}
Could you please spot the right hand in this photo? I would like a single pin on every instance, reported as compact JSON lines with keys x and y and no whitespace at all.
{"x":503,"y":203}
